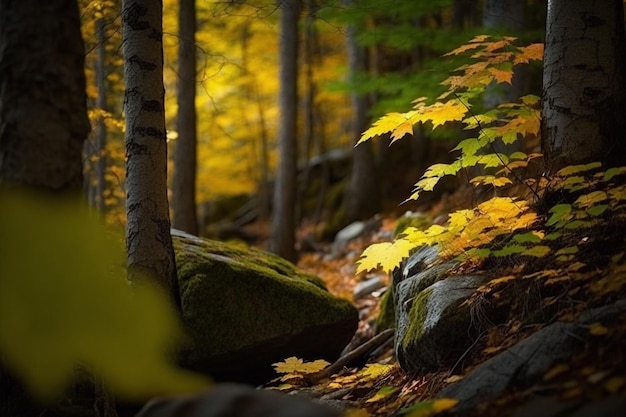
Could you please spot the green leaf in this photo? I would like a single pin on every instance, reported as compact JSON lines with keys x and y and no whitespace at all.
{"x":597,"y":210}
{"x":553,"y":236}
{"x":64,"y":300}
{"x":429,"y":408}
{"x":538,"y":251}
{"x":612,"y":172}
{"x":480,"y":253}
{"x":560,"y":212}
{"x":570,"y":250}
{"x":494,"y":160}
{"x":529,"y":237}
{"x":509,"y":250}
{"x":470,"y":146}
{"x":517,"y":156}
{"x":530,"y":99}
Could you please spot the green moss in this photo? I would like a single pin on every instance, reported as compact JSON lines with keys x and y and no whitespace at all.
{"x":419,"y":222}
{"x":386,"y":318}
{"x":417,"y":316}
{"x":224,"y":292}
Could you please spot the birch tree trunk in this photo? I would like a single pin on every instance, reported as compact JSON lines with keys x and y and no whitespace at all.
{"x":184,"y":179}
{"x":285,"y":188}
{"x":148,"y":238}
{"x":584,"y":83}
{"x":43,"y":112}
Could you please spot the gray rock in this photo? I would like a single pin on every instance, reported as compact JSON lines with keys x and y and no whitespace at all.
{"x":554,"y":407}
{"x":407,"y":290}
{"x":352,"y":231}
{"x":368,"y":286}
{"x":233,"y":400}
{"x":528,"y":360}
{"x":435,"y":327}
{"x":245,"y":309}
{"x":420,"y":260}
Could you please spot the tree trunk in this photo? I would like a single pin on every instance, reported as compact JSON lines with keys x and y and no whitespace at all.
{"x":148,"y":238}
{"x":506,"y":16}
{"x":283,"y":215}
{"x":101,"y":130}
{"x":184,"y":180}
{"x":584,"y":83}
{"x":363,"y":197}
{"x":43,"y":113}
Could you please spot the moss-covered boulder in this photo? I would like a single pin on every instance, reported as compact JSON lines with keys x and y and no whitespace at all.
{"x":245,"y":309}
{"x":438,"y":326}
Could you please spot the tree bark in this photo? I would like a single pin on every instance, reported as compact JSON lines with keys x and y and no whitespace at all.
{"x":184,"y":180}
{"x":285,"y":188}
{"x":584,"y":90}
{"x":148,"y":238}
{"x":101,"y":104}
{"x":363,"y":197}
{"x":43,"y":113}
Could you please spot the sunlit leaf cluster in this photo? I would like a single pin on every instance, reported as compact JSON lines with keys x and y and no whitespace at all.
{"x":468,"y":231}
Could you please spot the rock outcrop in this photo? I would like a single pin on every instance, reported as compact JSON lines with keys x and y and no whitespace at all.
{"x":245,"y":309}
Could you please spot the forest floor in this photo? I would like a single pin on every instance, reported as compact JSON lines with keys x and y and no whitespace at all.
{"x":378,"y":387}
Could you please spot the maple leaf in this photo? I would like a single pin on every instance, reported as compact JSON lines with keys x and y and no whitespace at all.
{"x":293,"y":365}
{"x":388,"y":123}
{"x":502,"y":75}
{"x":440,"y":113}
{"x":387,"y":255}
{"x":532,"y":52}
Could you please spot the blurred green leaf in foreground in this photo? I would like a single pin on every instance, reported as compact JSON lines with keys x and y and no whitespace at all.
{"x":65,"y":301}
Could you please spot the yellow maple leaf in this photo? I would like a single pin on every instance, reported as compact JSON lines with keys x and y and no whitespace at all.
{"x":440,"y":113}
{"x":387,"y":255}
{"x":388,"y":123}
{"x":382,"y":393}
{"x":375,"y":370}
{"x":293,"y":365}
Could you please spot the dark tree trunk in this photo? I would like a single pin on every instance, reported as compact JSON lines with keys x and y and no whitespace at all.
{"x":363,"y":197}
{"x":283,"y":215}
{"x":184,"y":180}
{"x":43,"y":116}
{"x":584,"y":83}
{"x":101,"y":104}
{"x":148,"y":238}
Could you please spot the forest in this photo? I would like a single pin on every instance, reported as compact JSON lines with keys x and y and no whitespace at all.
{"x":312,"y":208}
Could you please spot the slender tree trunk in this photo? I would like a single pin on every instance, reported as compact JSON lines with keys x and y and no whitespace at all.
{"x":101,"y":104}
{"x":584,"y":90}
{"x":506,"y":16}
{"x":148,"y":238}
{"x":503,"y":14}
{"x":308,"y":101}
{"x":363,"y":197}
{"x":264,"y":185}
{"x":184,"y":180}
{"x":283,"y":216}
{"x":43,"y":116}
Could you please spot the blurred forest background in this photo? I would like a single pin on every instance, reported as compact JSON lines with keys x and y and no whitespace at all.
{"x":356,"y":60}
